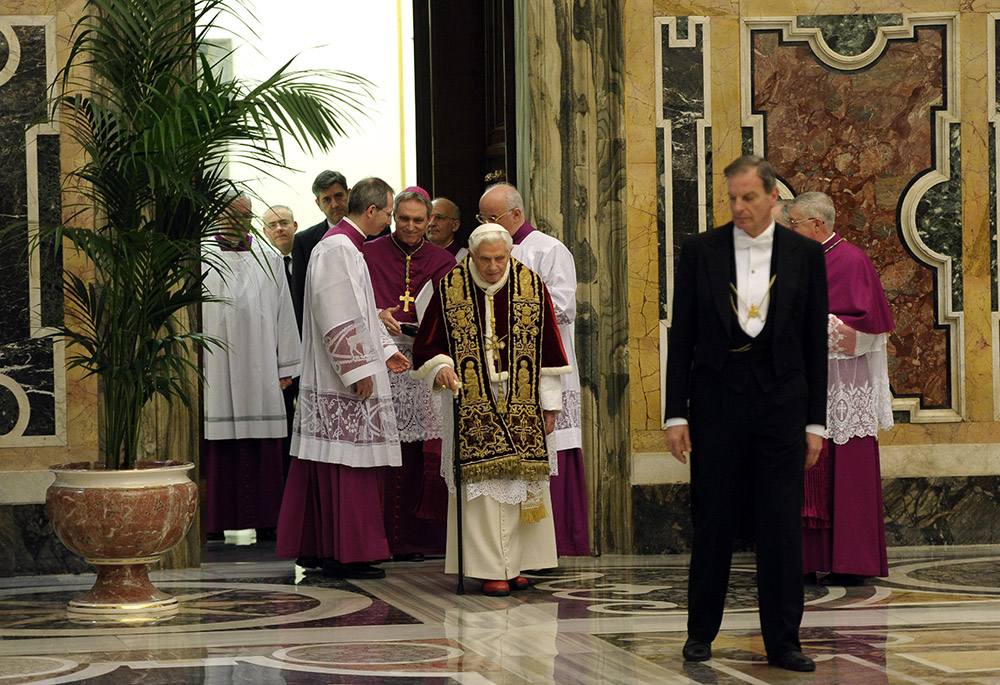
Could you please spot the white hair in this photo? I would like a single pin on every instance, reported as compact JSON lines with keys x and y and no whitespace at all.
{"x":489,"y":233}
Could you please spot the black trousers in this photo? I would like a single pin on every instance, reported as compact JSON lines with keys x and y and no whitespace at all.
{"x":748,"y":455}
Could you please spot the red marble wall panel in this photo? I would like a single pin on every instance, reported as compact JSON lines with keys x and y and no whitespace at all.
{"x":862,"y":137}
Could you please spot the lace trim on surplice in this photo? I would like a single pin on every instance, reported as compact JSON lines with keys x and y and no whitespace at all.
{"x":569,"y":417}
{"x":334,"y":417}
{"x":345,"y":346}
{"x":416,"y":418}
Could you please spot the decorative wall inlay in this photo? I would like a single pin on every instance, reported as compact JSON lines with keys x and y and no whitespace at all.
{"x":849,"y":35}
{"x":684,"y":144}
{"x":32,"y":367}
{"x":877,"y":129}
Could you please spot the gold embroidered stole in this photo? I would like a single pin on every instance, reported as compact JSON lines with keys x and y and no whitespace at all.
{"x":498,"y":437}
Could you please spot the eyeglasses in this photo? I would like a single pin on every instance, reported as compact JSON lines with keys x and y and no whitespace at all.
{"x":483,"y":219}
{"x":442,"y":217}
{"x":284,"y":223}
{"x":796,"y":222}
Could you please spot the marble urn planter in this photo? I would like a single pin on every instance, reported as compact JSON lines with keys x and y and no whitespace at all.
{"x":120,"y":522}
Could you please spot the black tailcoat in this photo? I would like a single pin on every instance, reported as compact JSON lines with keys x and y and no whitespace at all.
{"x":747,"y":412}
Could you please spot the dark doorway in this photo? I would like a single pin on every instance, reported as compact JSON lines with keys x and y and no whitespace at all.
{"x":464,"y":77}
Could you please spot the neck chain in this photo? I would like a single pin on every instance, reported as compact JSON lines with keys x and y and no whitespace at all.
{"x":753,"y":309}
{"x":834,"y":245}
{"x":406,"y":298}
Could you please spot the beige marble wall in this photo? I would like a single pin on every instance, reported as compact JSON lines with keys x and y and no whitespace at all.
{"x":20,"y":465}
{"x":977,"y":425}
{"x":170,"y":430}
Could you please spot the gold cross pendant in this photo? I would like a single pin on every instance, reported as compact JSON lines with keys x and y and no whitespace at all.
{"x":406,"y":299}
{"x":753,"y":312}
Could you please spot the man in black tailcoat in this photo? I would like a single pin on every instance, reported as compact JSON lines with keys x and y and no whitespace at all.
{"x":746,"y":398}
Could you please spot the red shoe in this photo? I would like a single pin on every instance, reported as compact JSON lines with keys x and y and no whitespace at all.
{"x":496,"y":588}
{"x":518,"y":584}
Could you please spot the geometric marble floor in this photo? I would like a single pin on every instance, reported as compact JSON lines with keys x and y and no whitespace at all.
{"x":248,"y":618}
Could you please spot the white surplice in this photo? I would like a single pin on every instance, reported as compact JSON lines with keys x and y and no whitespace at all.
{"x":554,"y":263}
{"x":243,"y":397}
{"x":343,"y":342}
{"x":859,"y":401}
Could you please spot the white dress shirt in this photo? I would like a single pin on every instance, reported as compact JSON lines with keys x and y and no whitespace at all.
{"x":753,"y":277}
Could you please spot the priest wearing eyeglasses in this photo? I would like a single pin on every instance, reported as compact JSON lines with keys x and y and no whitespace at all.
{"x":843,"y":526}
{"x":746,"y":399}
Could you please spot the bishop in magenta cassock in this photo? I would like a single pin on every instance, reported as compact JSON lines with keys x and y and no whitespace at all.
{"x":244,"y":416}
{"x":551,"y":260}
{"x":489,"y":335}
{"x":344,"y":431}
{"x":843,"y":530}
{"x":405,"y":267}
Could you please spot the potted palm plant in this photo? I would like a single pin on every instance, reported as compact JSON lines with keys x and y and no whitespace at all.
{"x":155,"y":123}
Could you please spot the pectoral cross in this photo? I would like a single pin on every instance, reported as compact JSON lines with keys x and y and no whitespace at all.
{"x":406,"y":299}
{"x":754,"y":311}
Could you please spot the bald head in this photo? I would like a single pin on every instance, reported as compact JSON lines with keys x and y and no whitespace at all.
{"x":502,"y":204}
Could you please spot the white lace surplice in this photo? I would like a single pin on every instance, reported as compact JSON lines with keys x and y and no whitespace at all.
{"x":343,"y":342}
{"x":417,"y":414}
{"x":859,"y":402}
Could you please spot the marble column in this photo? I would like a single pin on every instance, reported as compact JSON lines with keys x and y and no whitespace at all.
{"x":574,"y":137}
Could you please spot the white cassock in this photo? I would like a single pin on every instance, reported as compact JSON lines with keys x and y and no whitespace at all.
{"x":243,"y":396}
{"x":554,"y":263}
{"x":343,"y":342}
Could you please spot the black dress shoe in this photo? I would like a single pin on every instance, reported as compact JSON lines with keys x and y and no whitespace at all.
{"x":793,"y":661}
{"x":694,"y":650}
{"x":843,"y":579}
{"x":267,"y":534}
{"x":355,"y":569}
{"x":215,"y":537}
{"x":309,"y":562}
{"x":410,"y":556}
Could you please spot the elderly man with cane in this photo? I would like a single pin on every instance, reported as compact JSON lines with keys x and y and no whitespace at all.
{"x":490,"y":336}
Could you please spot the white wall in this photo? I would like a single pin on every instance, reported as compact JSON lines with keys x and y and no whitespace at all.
{"x":373,"y":39}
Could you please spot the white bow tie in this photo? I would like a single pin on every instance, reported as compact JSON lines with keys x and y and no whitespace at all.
{"x":744,"y":242}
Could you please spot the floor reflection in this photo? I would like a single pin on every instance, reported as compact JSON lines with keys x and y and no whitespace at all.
{"x":249,"y":618}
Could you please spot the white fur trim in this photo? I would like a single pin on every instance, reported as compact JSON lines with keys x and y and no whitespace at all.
{"x":430,"y":365}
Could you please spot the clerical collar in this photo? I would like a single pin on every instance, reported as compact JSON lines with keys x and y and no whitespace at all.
{"x":356,"y":228}
{"x":522,"y":233}
{"x":483,"y":284}
{"x":830,"y":243}
{"x":408,"y":250}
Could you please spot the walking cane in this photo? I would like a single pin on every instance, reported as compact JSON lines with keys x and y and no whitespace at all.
{"x":458,"y":496}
